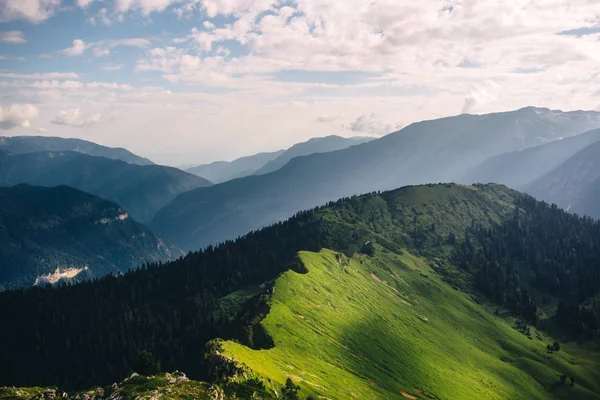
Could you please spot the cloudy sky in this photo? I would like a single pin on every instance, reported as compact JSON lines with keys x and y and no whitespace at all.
{"x":190,"y":81}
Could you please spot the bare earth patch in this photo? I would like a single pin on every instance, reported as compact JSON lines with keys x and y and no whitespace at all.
{"x":408,"y":395}
{"x":383,"y":282}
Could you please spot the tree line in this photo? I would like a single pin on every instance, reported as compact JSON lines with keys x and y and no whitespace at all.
{"x":77,"y":336}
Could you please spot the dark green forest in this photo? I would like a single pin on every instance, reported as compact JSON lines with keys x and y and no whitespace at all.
{"x":485,"y":239}
{"x":42,"y":228}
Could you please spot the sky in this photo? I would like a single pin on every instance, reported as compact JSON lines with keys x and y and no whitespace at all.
{"x":194,"y":81}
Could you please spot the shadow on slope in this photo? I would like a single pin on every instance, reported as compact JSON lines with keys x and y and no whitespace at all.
{"x":379,"y":327}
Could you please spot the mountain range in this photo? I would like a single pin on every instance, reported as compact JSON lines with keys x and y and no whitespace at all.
{"x":312,"y":146}
{"x":32,"y":144}
{"x":222,"y":171}
{"x":519,"y":169}
{"x":140,"y":189}
{"x":263,"y":163}
{"x":368,"y":296}
{"x":60,"y":233}
{"x":573,"y":185}
{"x":372,"y":296}
{"x":440,"y":150}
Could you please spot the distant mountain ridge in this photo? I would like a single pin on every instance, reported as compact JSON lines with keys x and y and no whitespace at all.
{"x":264,"y":163}
{"x":574,"y":185}
{"x":140,"y":189}
{"x":54,"y":233}
{"x":33,"y":144}
{"x":222,"y":171}
{"x":441,"y":150}
{"x":311,"y":146}
{"x":521,"y":168}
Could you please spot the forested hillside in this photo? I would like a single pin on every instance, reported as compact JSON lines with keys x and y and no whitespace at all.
{"x":141,"y":190}
{"x":525,"y":256}
{"x":49,"y":235}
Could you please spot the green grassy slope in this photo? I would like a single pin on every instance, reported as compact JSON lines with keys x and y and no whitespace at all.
{"x":462,"y":350}
{"x":387,"y":327}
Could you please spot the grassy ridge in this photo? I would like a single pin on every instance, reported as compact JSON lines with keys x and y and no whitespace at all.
{"x":388,"y":327}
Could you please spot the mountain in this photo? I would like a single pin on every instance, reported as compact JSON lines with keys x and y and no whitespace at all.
{"x":141,"y":190}
{"x":312,"y":146}
{"x":33,"y":144}
{"x":221,"y":171}
{"x":359,"y":328}
{"x":574,"y":185}
{"x":430,"y":151}
{"x":438,"y":291}
{"x":263,"y":163}
{"x":57,"y":233}
{"x":521,"y":168}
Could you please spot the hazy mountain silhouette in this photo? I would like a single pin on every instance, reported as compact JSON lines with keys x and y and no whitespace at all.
{"x":141,"y":190}
{"x":574,"y":185}
{"x":32,"y":144}
{"x":441,"y":150}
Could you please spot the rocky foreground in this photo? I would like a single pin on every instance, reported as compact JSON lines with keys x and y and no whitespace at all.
{"x":167,"y":386}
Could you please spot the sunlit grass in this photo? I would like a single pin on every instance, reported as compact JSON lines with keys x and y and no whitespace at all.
{"x":372,"y":328}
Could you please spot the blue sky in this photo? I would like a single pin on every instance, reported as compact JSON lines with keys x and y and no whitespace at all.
{"x":191,"y":81}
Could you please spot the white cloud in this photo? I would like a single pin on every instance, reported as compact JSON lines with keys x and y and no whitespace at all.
{"x":13,"y":37}
{"x":76,"y":117}
{"x":405,"y":54}
{"x":7,"y":57}
{"x":133,"y":42}
{"x":186,"y":11}
{"x":17,"y":116}
{"x":38,"y":76}
{"x":101,"y":18}
{"x":101,"y":52}
{"x":143,"y":6}
{"x":103,"y":48}
{"x":112,"y":67}
{"x":327,"y":118}
{"x":479,"y":95}
{"x":78,"y":48}
{"x":34,"y":11}
{"x":372,"y":124}
{"x":84,"y":3}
